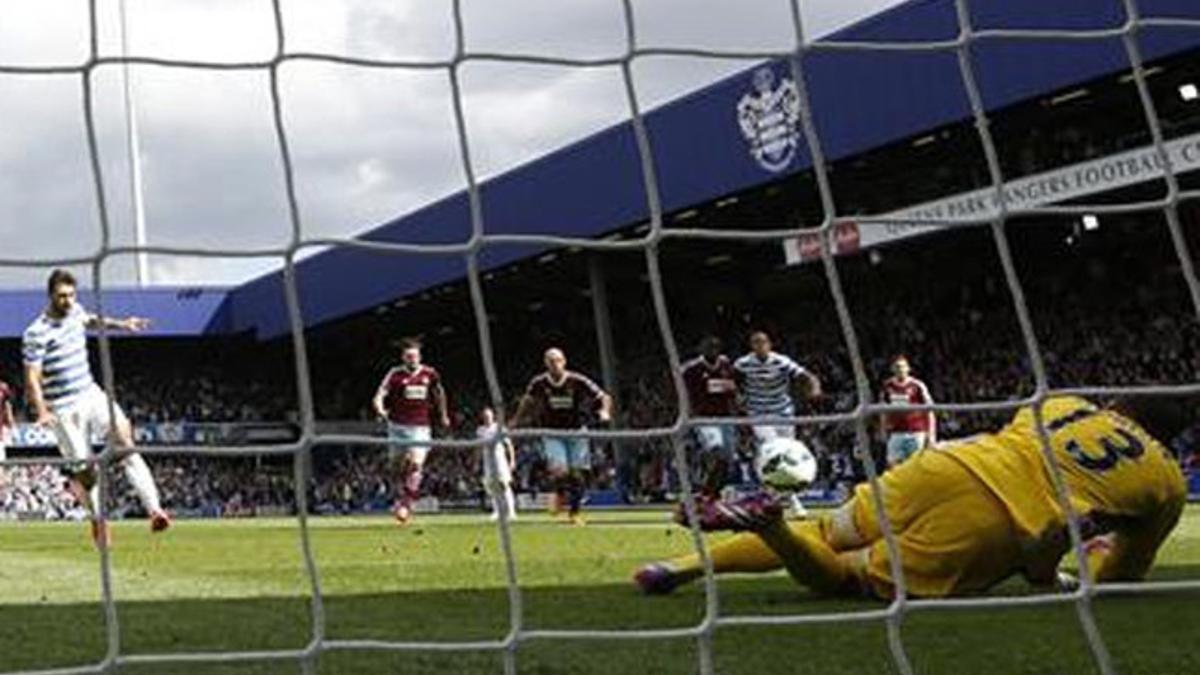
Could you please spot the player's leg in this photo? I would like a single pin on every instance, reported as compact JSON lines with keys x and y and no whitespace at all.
{"x":497,"y":481}
{"x":742,"y":553}
{"x":397,"y":463}
{"x":137,"y":472}
{"x":727,"y":465}
{"x":952,"y":534}
{"x":82,"y":478}
{"x":504,"y":480}
{"x":415,"y":468}
{"x":714,"y":450}
{"x":556,"y":454}
{"x":403,"y":455}
{"x":502,"y":498}
{"x":761,"y":435}
{"x":510,"y":499}
{"x":824,"y":554}
{"x":811,"y":560}
{"x":579,"y":466}
{"x":491,"y":483}
{"x":820,"y":554}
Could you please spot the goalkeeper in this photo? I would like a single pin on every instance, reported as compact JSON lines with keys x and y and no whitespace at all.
{"x":974,"y":512}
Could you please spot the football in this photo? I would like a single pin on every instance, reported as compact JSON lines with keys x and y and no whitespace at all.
{"x":786,"y":464}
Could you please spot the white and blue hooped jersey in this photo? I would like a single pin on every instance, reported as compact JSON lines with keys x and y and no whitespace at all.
{"x":766,"y":383}
{"x":59,"y":346}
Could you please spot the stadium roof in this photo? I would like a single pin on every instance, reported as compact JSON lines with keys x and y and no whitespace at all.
{"x":861,"y":100}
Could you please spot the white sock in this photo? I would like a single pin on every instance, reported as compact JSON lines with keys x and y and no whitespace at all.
{"x":502,"y":499}
{"x":510,"y":502}
{"x":93,"y":500}
{"x":798,"y":506}
{"x":142,"y":480}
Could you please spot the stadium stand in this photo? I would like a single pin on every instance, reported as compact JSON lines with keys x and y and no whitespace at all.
{"x":221,"y":360}
{"x":1106,"y":295}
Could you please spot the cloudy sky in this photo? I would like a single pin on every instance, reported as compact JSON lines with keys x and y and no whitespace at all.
{"x":369,"y":144}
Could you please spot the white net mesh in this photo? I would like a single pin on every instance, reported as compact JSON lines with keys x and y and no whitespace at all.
{"x":893,"y":615}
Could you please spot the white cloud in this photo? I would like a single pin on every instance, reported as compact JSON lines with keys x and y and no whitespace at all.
{"x":368,"y":144}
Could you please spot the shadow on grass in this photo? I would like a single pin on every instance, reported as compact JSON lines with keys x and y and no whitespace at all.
{"x":1150,"y":634}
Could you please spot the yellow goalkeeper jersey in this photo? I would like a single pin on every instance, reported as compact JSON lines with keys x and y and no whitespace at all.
{"x":1119,"y":479}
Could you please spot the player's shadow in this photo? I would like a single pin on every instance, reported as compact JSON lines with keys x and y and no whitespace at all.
{"x":1151,"y":633}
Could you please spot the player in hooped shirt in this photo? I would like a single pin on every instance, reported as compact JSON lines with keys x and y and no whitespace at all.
{"x":766,"y":380}
{"x":712,"y":391}
{"x":65,"y":398}
{"x":906,"y":432}
{"x":7,"y":422}
{"x":408,"y":398}
{"x":563,"y":399}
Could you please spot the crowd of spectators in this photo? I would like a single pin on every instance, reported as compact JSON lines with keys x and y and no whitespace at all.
{"x":1108,"y":315}
{"x":36,"y":490}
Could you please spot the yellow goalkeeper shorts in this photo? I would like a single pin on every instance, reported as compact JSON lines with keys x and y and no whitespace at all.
{"x":954,"y":536}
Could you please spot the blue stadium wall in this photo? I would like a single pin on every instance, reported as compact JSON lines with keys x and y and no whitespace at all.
{"x":860,"y":101}
{"x":175,"y":312}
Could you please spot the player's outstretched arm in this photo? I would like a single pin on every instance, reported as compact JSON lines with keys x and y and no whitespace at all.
{"x":130,"y":324}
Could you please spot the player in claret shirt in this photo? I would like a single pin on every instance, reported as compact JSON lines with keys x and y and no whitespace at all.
{"x":7,"y":421}
{"x":906,"y":432}
{"x":410,"y":399}
{"x":563,"y":399}
{"x":712,"y":392}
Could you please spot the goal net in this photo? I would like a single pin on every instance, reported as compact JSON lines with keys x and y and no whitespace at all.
{"x":822,"y":236}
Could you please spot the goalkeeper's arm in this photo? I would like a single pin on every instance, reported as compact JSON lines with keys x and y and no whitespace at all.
{"x":1132,"y":547}
{"x":1127,"y":553}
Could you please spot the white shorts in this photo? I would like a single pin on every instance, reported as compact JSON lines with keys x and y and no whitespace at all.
{"x":85,"y":420}
{"x":762,"y":434}
{"x":415,"y":453}
{"x":904,"y":444}
{"x":495,"y":465}
{"x":719,"y":440}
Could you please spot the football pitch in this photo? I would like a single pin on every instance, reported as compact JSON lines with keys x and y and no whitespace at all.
{"x":240,"y":585}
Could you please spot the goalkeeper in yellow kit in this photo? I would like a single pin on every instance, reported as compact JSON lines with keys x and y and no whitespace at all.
{"x":971,"y":513}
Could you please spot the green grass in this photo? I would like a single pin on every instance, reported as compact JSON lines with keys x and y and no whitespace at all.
{"x":235,"y":585}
